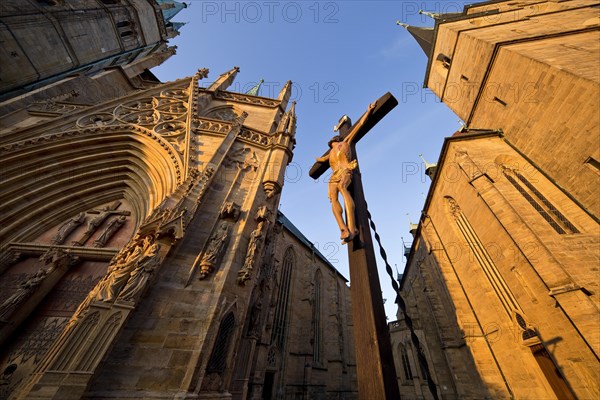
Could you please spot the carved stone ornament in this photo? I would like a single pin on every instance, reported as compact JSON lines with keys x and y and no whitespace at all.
{"x":53,"y":107}
{"x":214,"y":250}
{"x":243,"y":158}
{"x":230,"y":210}
{"x":263,"y":213}
{"x":454,"y":207}
{"x":202,"y":73}
{"x":271,"y":188}
{"x":255,"y":137}
{"x":241,"y":98}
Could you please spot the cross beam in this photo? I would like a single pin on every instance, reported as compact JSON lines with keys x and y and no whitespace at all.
{"x":384,"y":105}
{"x":374,"y":361}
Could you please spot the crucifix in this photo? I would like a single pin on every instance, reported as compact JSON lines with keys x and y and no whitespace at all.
{"x":374,"y":361}
{"x":95,"y":222}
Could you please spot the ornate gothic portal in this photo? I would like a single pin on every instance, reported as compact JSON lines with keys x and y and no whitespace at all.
{"x":132,"y":233}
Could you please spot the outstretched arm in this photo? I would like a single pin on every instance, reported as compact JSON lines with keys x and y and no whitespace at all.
{"x":356,"y":127}
{"x":324,"y":158}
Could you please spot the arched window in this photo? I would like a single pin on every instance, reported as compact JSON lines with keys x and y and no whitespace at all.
{"x":223,"y":114}
{"x":316,"y":315}
{"x":218,"y":359}
{"x":281,"y":312}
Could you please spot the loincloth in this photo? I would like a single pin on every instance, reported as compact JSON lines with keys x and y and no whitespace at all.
{"x":343,"y":172}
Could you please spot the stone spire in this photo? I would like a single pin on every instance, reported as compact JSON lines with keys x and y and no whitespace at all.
{"x":225,"y":80}
{"x":285,"y":94}
{"x":287,"y":125}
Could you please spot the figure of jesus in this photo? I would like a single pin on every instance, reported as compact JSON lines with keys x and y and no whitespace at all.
{"x":342,"y":164}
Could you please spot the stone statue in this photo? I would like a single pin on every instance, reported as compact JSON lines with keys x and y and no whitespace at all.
{"x":97,"y":221}
{"x":256,"y":238}
{"x":211,"y":255}
{"x":120,"y":271}
{"x":342,"y":165}
{"x":255,"y":241}
{"x":112,"y":227}
{"x":65,"y":230}
{"x":24,"y":291}
{"x":253,"y":326}
{"x":140,"y":275}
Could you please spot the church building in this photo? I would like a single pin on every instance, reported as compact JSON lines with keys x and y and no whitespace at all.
{"x":142,"y":253}
{"x":501,"y":282}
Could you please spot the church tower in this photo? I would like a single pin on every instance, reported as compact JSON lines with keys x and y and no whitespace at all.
{"x":501,"y":283}
{"x":46,"y":41}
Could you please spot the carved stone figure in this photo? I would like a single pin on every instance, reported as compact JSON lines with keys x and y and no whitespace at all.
{"x":65,"y":230}
{"x":211,"y":256}
{"x":342,"y":165}
{"x":254,"y":326}
{"x":256,"y":239}
{"x":95,"y":222}
{"x":24,"y":291}
{"x":112,"y":227}
{"x":120,"y":271}
{"x":140,"y":275}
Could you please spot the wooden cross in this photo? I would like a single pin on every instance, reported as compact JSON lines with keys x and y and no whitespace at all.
{"x":374,"y":361}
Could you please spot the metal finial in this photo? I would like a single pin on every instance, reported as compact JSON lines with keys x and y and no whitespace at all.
{"x":429,"y":14}
{"x":402,"y":24}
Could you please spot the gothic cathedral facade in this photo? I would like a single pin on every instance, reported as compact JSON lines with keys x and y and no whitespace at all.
{"x":142,"y":251}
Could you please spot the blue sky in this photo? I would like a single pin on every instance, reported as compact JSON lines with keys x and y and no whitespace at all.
{"x":341,"y":56}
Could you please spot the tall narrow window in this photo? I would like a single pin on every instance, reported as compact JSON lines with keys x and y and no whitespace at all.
{"x":484,"y":259}
{"x":317,"y":319}
{"x":218,"y":359}
{"x":539,"y":202}
{"x":408,"y":376}
{"x":281,"y":312}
